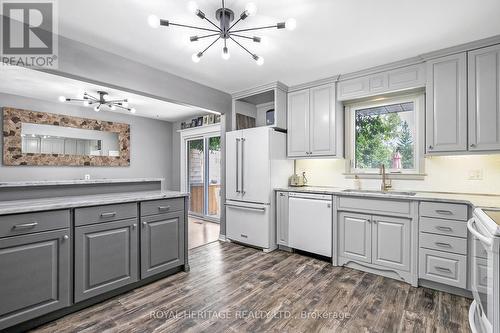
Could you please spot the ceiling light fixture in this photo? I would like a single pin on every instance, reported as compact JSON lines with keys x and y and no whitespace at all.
{"x":103,"y":99}
{"x":224,"y":30}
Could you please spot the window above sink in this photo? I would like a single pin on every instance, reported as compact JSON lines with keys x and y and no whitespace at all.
{"x":388,"y":131}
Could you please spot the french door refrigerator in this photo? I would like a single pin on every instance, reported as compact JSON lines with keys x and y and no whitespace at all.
{"x":256,"y":164}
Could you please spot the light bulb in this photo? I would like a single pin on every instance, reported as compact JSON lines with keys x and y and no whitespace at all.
{"x":154,"y":21}
{"x":133,"y":110}
{"x":97,"y":108}
{"x":291,"y":24}
{"x":260,"y":61}
{"x":193,"y":7}
{"x":225,"y":54}
{"x":62,"y":99}
{"x":251,"y":9}
{"x":105,"y":97}
{"x":125,"y":104}
{"x":112,"y":107}
{"x":86,"y":103}
{"x":196,"y":57}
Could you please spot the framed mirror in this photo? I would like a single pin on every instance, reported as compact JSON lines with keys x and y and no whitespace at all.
{"x":46,"y":139}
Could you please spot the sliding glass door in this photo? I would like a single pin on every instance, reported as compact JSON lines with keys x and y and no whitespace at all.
{"x":203,"y":172}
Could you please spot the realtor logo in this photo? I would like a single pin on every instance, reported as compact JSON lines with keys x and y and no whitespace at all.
{"x":29,"y":33}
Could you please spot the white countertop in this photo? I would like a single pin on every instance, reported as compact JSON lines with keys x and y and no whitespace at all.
{"x":34,"y":205}
{"x":476,"y":200}
{"x":77,"y":182}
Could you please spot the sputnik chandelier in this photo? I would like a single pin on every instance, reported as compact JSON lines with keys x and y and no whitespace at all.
{"x":225,"y":31}
{"x":102,"y":100}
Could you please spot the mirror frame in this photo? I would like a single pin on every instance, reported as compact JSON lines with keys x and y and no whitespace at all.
{"x":12,"y":141}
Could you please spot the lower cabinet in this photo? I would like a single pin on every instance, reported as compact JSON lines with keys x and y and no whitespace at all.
{"x":106,"y":257}
{"x":382,"y":241}
{"x":34,"y":275}
{"x":282,"y":224}
{"x":162,"y":243}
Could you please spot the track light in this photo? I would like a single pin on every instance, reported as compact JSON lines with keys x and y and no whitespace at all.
{"x":225,"y":54}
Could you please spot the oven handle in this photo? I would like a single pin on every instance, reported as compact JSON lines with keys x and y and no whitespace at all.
{"x":472,"y":228}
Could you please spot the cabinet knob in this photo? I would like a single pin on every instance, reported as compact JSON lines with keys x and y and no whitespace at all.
{"x":134,"y":226}
{"x":472,"y":145}
{"x":329,"y":205}
{"x":282,"y":194}
{"x":431,"y":147}
{"x":144,"y":223}
{"x":65,"y":237}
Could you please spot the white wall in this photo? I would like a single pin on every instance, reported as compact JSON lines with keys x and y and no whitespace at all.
{"x":444,"y":174}
{"x":150,"y":140}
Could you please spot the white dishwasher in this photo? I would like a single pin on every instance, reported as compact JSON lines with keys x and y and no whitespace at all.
{"x":310,"y":218}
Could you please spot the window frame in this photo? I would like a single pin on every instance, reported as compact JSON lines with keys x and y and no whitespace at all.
{"x":419,"y":109}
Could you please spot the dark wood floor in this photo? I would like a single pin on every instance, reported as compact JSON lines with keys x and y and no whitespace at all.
{"x":236,"y":289}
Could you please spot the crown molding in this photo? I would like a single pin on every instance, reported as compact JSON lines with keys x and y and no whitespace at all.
{"x":260,"y":89}
{"x":478,"y":44}
{"x":316,"y":83}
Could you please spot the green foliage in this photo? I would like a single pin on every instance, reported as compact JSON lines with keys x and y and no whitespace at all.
{"x":213,"y":144}
{"x":378,"y":137}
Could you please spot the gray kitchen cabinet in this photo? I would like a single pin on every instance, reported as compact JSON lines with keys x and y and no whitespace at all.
{"x":391,"y":242}
{"x":298,"y":123}
{"x":484,"y":97}
{"x":282,"y":223}
{"x":446,"y":104}
{"x":314,"y":125}
{"x":106,"y":257}
{"x":162,"y":243}
{"x":34,"y":275}
{"x":355,"y":240}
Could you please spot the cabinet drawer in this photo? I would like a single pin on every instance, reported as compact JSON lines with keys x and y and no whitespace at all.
{"x":21,"y":224}
{"x":375,"y":205}
{"x":443,"y":227}
{"x":91,"y":215}
{"x":444,"y":210}
{"x":446,"y":268}
{"x":443,"y":243}
{"x":161,"y":206}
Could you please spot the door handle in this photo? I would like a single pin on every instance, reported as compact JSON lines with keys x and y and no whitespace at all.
{"x":26,"y":225}
{"x":243,"y":166}
{"x":111,"y":214}
{"x":471,"y":225}
{"x":163,"y":208}
{"x":237,"y":165}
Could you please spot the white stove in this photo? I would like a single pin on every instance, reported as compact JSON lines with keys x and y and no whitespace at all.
{"x":484,"y":313}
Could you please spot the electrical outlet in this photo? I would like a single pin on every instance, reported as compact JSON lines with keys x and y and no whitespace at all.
{"x":476,"y":174}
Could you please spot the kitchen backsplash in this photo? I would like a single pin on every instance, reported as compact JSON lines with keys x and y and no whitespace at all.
{"x":444,"y":174}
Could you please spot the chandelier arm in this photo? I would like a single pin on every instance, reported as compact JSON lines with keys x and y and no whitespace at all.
{"x":193,"y":27}
{"x":241,"y":36}
{"x":236,"y":22}
{"x":259,"y":28}
{"x":244,"y":48}
{"x":116,"y":101}
{"x":208,"y":36}
{"x":91,"y":97}
{"x":212,"y":23}
{"x":75,"y":100}
{"x":209,"y":46}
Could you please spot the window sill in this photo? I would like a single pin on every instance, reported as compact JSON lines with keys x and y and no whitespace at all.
{"x":403,"y":176}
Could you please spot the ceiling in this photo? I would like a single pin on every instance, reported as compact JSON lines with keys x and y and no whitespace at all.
{"x":48,"y":87}
{"x":332,"y":37}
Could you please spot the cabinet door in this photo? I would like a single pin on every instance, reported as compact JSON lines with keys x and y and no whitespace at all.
{"x":484,"y":99}
{"x":162,"y":243}
{"x":34,"y":275}
{"x":105,"y":257}
{"x":282,"y":217}
{"x":355,"y":237}
{"x":322,"y":121}
{"x":233,"y":165}
{"x":298,"y":124}
{"x":446,"y":111}
{"x":391,"y":242}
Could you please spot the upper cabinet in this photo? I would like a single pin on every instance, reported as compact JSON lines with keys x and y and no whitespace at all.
{"x":484,"y":99}
{"x":446,"y":109}
{"x":262,"y":106}
{"x":404,"y":78}
{"x":315,"y":123}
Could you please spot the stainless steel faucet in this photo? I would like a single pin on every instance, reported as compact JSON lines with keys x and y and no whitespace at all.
{"x":386,"y":183}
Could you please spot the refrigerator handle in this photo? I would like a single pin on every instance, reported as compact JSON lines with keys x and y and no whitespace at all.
{"x":238,"y":165}
{"x":243,"y":166}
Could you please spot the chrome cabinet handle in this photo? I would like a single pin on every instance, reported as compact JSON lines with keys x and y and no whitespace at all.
{"x":444,"y":212}
{"x":65,"y":237}
{"x":443,"y":244}
{"x":162,"y":208}
{"x":144,"y":223}
{"x":238,"y":165}
{"x":443,"y":269}
{"x":26,"y":225}
{"x":111,"y":214}
{"x":243,"y":166}
{"x":444,"y":228}
{"x":244,"y":207}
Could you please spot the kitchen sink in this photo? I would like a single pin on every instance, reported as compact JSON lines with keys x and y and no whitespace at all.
{"x":402,"y":193}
